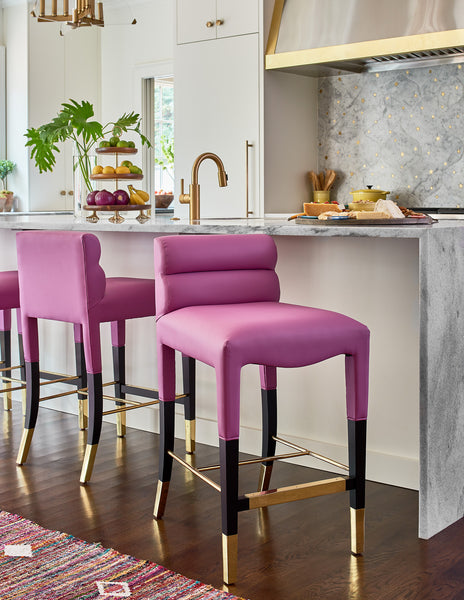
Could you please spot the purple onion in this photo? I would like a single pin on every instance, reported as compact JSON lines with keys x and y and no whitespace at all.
{"x":91,"y":198}
{"x":121,"y":197}
{"x":103,"y":198}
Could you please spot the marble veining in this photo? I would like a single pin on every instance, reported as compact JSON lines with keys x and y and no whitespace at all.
{"x":401,"y":131}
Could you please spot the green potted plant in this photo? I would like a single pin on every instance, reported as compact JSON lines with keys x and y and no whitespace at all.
{"x":75,"y":122}
{"x":6,"y":197}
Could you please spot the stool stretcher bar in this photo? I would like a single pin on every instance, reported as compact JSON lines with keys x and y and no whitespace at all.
{"x":295,"y":492}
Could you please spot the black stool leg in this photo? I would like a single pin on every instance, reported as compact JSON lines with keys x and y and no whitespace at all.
{"x":188,"y":378}
{"x":22,"y":370}
{"x":119,"y":371}
{"x":95,"y":390}
{"x":357,"y":465}
{"x":269,"y":410}
{"x":228,"y":450}
{"x":32,"y":409}
{"x":82,"y":375}
{"x":5,"y":349}
{"x":167,"y":414}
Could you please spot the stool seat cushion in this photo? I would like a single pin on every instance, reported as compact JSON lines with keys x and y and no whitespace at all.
{"x":126,"y":298}
{"x":229,"y":336}
{"x":9,"y":290}
{"x":256,"y":333}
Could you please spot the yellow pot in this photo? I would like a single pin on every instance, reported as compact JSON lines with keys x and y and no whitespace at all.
{"x":368,"y":195}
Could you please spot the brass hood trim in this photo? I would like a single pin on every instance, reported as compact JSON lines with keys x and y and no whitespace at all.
{"x":359,"y":56}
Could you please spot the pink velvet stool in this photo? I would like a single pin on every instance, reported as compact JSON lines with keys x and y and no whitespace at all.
{"x":9,"y":299}
{"x":217,"y":300}
{"x":60,"y":278}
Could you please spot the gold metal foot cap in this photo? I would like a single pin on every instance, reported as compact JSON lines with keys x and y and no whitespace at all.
{"x":229,"y":558}
{"x":24,"y":446}
{"x":160,"y":500}
{"x":89,"y":460}
{"x":357,"y":531}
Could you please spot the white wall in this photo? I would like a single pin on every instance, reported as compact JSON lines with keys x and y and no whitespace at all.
{"x":129,"y":52}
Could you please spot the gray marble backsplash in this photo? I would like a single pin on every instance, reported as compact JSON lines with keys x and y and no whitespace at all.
{"x":401,"y":131}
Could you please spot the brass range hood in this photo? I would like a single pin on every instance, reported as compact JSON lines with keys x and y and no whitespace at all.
{"x":326,"y":37}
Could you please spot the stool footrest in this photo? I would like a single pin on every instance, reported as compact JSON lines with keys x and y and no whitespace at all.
{"x":195,"y":471}
{"x":296,"y":492}
{"x":122,"y":409}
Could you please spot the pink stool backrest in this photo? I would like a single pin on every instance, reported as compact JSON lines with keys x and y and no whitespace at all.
{"x":214,"y":269}
{"x":59,"y":274}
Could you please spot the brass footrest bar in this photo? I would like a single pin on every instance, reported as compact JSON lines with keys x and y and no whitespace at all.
{"x":13,"y":389}
{"x":8,"y":368}
{"x":60,"y":380}
{"x":126,"y":408}
{"x":311,"y":453}
{"x":12,"y":379}
{"x":196,"y":472}
{"x":253,"y":461}
{"x":60,"y":395}
{"x":296,"y":492}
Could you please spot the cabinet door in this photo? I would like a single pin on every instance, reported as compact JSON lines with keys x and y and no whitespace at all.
{"x":47,"y":191}
{"x":192,"y":19}
{"x":238,"y":17}
{"x":61,"y":67}
{"x":218,"y":117}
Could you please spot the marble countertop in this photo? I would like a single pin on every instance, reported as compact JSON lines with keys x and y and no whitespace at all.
{"x":272,"y":226}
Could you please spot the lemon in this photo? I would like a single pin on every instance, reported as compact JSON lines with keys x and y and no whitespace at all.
{"x":108,"y":170}
{"x":97,"y":170}
{"x":122,"y":170}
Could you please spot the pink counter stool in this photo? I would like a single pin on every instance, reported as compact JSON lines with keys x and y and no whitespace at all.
{"x":60,"y":278}
{"x":217,"y":300}
{"x":9,"y":299}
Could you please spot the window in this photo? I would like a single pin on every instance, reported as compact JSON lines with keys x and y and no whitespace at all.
{"x":164,"y":134}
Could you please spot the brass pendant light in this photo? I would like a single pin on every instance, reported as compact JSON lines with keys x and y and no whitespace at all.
{"x":85,"y":13}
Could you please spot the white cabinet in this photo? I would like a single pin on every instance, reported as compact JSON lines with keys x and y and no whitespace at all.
{"x":217,"y":110}
{"x":60,"y":68}
{"x":200,"y":20}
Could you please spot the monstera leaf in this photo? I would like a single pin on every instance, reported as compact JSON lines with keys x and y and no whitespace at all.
{"x":75,"y":122}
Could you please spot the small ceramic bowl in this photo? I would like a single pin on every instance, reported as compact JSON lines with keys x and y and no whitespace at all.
{"x":163,"y":200}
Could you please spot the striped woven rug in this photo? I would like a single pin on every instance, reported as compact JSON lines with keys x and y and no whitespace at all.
{"x":39,"y":564}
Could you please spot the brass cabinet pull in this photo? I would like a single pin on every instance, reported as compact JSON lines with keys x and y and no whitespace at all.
{"x":63,"y":193}
{"x":247,"y":146}
{"x":220,"y":22}
{"x":71,"y":193}
{"x":209,"y":23}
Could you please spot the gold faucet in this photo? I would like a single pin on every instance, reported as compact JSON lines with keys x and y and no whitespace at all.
{"x":193,"y":197}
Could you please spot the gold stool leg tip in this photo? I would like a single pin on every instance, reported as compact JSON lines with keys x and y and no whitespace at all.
{"x":264,"y":477}
{"x":89,"y":461}
{"x":190,"y":436}
{"x":229,"y":558}
{"x":26,"y":440}
{"x":160,"y":500}
{"x":357,"y":518}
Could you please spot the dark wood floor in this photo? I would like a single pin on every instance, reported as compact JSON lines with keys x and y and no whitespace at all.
{"x":289,"y":552}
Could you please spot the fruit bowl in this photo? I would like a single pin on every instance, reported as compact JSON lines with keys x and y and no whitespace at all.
{"x":163,"y":200}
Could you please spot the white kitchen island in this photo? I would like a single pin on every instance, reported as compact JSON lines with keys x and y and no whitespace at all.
{"x":405,"y":282}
